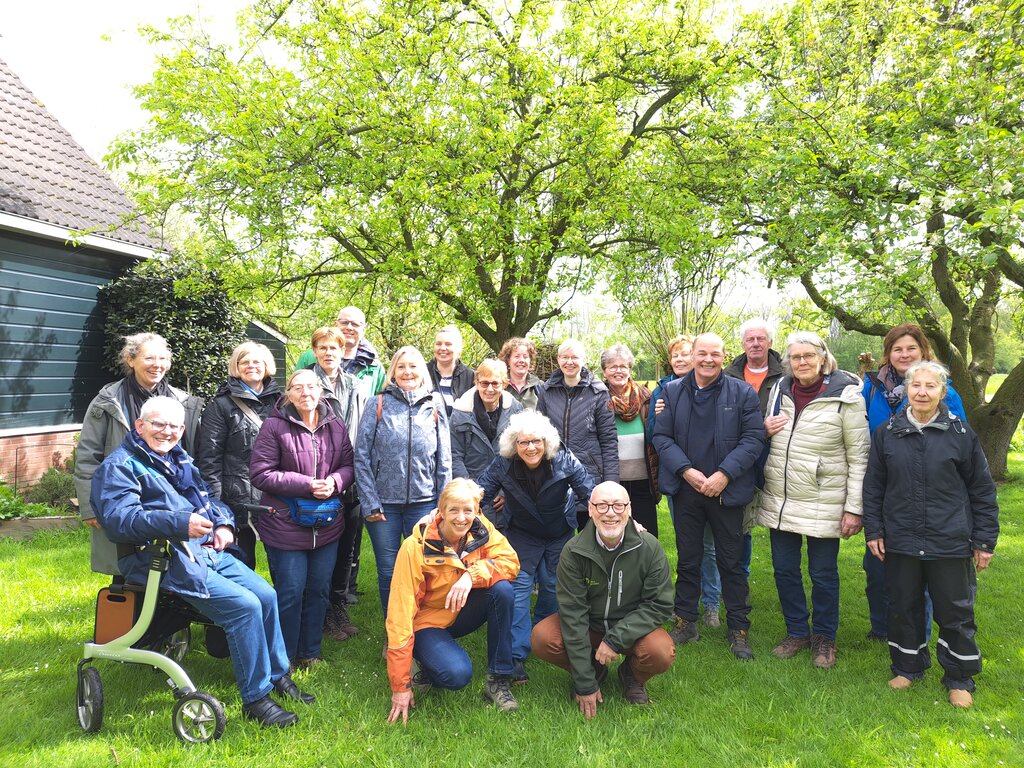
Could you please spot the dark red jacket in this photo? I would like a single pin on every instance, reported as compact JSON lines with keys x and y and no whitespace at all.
{"x":287,"y":455}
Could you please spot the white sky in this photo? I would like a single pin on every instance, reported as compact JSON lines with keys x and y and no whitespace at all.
{"x":57,"y":48}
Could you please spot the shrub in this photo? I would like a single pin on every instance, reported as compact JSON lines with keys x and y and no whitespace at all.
{"x":12,"y":505}
{"x":55,"y":488}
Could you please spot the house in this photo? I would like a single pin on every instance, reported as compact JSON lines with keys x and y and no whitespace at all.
{"x":51,"y":331}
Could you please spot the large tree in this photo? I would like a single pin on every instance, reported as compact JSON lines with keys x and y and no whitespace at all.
{"x":479,"y":152}
{"x":883,"y":143}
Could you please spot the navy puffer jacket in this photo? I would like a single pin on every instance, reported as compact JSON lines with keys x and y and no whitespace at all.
{"x":584,"y":420}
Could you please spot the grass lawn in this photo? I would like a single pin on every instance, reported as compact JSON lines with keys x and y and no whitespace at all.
{"x":709,"y":710}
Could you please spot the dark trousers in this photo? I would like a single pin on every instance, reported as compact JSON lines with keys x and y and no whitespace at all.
{"x":347,"y":565}
{"x":952,"y":585}
{"x":642,"y":504}
{"x":693,"y":512}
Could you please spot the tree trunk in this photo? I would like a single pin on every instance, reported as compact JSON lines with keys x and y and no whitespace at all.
{"x":995,"y":422}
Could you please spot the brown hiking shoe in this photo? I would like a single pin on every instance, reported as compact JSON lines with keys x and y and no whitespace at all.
{"x":684,"y":631}
{"x":790,"y":646}
{"x":633,"y":690}
{"x":739,"y":644}
{"x":823,"y":652}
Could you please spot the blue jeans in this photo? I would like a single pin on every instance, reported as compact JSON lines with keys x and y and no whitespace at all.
{"x":446,"y":662}
{"x":245,"y":607}
{"x":547,"y":602}
{"x":387,"y":536}
{"x":302,"y":578}
{"x":823,"y":568}
{"x":532,"y":551}
{"x":710,"y":581}
{"x":878,"y":598}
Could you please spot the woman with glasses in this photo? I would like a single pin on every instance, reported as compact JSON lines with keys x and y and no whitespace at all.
{"x":541,"y":482}
{"x":638,"y":461}
{"x":818,"y":433}
{"x":302,"y":461}
{"x":146,"y":359}
{"x":579,"y":407}
{"x":478,"y":419}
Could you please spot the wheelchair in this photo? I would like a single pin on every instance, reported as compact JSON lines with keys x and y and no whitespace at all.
{"x":156,"y":634}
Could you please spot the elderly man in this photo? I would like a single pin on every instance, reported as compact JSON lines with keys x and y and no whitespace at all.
{"x":614,"y":593}
{"x":448,"y":374}
{"x":148,"y":488}
{"x":359,"y":357}
{"x":709,"y":436}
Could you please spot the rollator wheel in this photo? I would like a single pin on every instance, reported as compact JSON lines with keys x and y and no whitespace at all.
{"x":198,"y":718}
{"x":90,"y":699}
{"x":176,"y":645}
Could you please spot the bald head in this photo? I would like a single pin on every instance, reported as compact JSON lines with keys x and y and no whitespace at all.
{"x":708,"y":357}
{"x":609,"y":509}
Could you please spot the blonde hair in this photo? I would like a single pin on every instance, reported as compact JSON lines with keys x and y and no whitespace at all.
{"x":247,"y":348}
{"x":491,"y":367}
{"x":329,"y":332}
{"x":417,"y":357}
{"x":460,"y":489}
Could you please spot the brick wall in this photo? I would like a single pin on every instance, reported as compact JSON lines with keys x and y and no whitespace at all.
{"x":23,"y":459}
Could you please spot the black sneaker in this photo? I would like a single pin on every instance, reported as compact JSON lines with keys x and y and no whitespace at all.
{"x":269,"y":713}
{"x":497,"y":692}
{"x":684,"y":631}
{"x":287,"y":688}
{"x":633,"y":690}
{"x":739,"y":644}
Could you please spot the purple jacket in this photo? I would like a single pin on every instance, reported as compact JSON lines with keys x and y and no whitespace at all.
{"x":285,"y":458}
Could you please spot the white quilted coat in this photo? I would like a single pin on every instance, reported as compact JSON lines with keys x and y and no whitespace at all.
{"x":815,"y":467}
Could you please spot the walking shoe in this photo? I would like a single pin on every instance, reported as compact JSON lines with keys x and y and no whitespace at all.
{"x":497,"y":692}
{"x":420,"y":680}
{"x":519,"y":674}
{"x":877,"y":637}
{"x":900,"y":683}
{"x":960,"y":698}
{"x":790,"y":646}
{"x":710,"y":617}
{"x":287,"y":688}
{"x":823,"y":652}
{"x":739,"y":644}
{"x":684,"y":631}
{"x":633,"y":690}
{"x":345,"y":622}
{"x":306,"y":664}
{"x":269,"y":713}
{"x":332,"y":624}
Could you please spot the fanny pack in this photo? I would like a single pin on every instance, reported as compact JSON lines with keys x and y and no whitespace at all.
{"x":313,"y":513}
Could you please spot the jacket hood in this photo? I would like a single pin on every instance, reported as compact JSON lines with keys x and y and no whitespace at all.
{"x":841,"y":386}
{"x":233,"y":387}
{"x":366,"y":354}
{"x":899,"y":424}
{"x":465,"y":401}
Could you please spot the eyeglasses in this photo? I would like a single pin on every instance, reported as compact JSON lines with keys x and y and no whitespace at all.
{"x":165,"y":426}
{"x":618,"y":507}
{"x":349,"y":324}
{"x":528,"y":443}
{"x":303,"y":387}
{"x":569,"y":359}
{"x":803,"y":358}
{"x":489,"y":384}
{"x":618,"y":367}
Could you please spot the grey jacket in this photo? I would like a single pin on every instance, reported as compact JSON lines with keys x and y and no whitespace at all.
{"x":103,"y":430}
{"x":472,"y":452}
{"x":403,"y":449}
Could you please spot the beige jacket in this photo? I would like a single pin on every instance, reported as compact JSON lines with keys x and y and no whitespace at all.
{"x":816,"y":466}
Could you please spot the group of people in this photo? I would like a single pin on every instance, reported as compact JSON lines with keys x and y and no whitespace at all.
{"x":480,"y":488}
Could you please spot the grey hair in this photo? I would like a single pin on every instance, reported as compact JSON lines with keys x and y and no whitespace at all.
{"x":574,"y":344}
{"x":617,"y":352}
{"x":931,"y":366}
{"x":135,"y":342}
{"x":754,"y":324}
{"x":161,"y":404}
{"x":829,"y":364}
{"x":529,"y":423}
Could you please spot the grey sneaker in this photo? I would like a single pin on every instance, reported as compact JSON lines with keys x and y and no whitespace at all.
{"x":739,"y":644}
{"x":711,"y":617}
{"x":497,"y":692}
{"x":684,"y":631}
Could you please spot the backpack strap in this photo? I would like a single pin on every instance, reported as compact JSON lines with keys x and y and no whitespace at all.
{"x":248,"y":412}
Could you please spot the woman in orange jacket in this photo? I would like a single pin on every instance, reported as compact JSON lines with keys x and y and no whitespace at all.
{"x":453,"y":574}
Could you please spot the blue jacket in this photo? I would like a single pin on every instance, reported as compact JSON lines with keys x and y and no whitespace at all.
{"x":739,"y":436}
{"x":136,"y":503}
{"x":879,"y":411}
{"x":405,"y":457}
{"x":570,"y":483}
{"x":656,"y":395}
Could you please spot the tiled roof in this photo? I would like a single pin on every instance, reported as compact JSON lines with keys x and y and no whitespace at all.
{"x":46,"y":175}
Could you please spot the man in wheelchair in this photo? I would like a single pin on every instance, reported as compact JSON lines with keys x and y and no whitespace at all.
{"x":148,"y":488}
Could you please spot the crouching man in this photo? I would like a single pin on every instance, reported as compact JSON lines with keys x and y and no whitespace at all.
{"x":147,"y":489}
{"x":614,"y":591}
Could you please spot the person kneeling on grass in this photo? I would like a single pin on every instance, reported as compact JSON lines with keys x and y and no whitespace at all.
{"x":614,"y":593}
{"x":453,"y":574}
{"x":147,"y":489}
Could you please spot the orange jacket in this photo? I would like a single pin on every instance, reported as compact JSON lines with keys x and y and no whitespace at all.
{"x":425,"y":571}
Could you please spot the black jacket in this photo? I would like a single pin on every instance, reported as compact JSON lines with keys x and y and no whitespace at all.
{"x":928,"y":493}
{"x":584,"y":420}
{"x":775,"y":372}
{"x":226,"y":438}
{"x":462,"y":378}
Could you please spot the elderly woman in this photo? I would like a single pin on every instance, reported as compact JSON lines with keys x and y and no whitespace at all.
{"x":578,"y":405}
{"x":302,"y":459}
{"x":403,"y":459}
{"x":543,"y":485}
{"x":478,"y":419}
{"x":452,"y":575}
{"x":885,"y":394}
{"x":146,"y":359}
{"x":228,"y":430}
{"x":341,"y":390}
{"x":812,"y":492}
{"x":520,"y":355}
{"x":638,"y":461}
{"x":930,"y":515}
